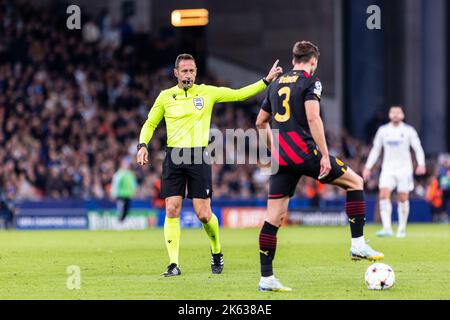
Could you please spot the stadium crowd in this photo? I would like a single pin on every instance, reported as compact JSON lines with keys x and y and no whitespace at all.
{"x":72,"y":104}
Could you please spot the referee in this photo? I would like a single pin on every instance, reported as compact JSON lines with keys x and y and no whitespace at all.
{"x":187,"y":109}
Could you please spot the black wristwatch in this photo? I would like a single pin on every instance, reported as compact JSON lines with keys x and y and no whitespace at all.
{"x":140,"y":145}
{"x":265,"y":81}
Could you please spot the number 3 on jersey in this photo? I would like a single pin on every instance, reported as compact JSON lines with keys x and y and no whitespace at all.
{"x":286,"y":91}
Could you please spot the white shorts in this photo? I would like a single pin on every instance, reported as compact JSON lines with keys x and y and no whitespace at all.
{"x":400,"y":180}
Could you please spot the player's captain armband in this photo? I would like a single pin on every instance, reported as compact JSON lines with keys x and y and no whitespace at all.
{"x":318,"y":89}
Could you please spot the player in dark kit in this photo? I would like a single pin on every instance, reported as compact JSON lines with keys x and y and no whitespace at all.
{"x":299,"y":148}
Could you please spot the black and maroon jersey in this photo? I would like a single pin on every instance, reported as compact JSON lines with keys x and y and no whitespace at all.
{"x":285,"y":100}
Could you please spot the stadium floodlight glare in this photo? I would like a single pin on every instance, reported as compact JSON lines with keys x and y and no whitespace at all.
{"x":189,"y":17}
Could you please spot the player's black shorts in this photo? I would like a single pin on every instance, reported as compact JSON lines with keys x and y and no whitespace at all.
{"x":284,"y":182}
{"x":186,"y":168}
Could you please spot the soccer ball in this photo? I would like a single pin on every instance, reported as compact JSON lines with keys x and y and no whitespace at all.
{"x":379,"y":276}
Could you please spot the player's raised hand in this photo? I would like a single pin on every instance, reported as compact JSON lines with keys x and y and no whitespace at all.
{"x":366,"y":174}
{"x":142,"y":156}
{"x":275,"y":72}
{"x":421,"y":170}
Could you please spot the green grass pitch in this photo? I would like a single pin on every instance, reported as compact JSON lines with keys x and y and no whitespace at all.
{"x":314,"y":261}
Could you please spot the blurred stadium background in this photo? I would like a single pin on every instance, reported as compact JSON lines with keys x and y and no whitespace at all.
{"x":72,"y":102}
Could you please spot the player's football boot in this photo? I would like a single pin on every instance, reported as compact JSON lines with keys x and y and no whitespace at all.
{"x":272,"y":284}
{"x":172,"y":270}
{"x":383,"y":233}
{"x":216,"y":263}
{"x":401,"y":233}
{"x":365,"y":253}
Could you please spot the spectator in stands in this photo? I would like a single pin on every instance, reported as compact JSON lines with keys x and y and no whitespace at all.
{"x":314,"y":191}
{"x":7,"y":209}
{"x":157,"y":201}
{"x":435,"y":197}
{"x":124,"y":187}
{"x":444,"y":183}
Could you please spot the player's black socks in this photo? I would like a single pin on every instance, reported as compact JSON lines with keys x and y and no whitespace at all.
{"x":267,"y":247}
{"x":355,"y":207}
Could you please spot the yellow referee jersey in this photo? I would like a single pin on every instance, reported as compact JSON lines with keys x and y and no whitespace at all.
{"x":188,"y":112}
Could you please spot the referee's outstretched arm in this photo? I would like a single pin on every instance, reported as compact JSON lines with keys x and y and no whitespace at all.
{"x":224,"y":94}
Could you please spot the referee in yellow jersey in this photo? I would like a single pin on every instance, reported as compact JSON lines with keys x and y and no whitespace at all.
{"x":187,"y":109}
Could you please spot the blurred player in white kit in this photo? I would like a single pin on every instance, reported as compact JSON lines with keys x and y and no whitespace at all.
{"x":396,"y":138}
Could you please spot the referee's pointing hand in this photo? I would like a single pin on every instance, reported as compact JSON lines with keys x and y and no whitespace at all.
{"x":275,"y":72}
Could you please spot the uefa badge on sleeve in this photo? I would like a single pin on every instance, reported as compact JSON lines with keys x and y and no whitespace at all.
{"x":318,"y":89}
{"x":198,"y":103}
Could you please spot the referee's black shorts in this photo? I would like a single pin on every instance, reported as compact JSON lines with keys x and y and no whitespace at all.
{"x":284,"y":182}
{"x":186,"y":168}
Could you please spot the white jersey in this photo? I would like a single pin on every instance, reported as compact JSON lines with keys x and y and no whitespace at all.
{"x":396,"y":142}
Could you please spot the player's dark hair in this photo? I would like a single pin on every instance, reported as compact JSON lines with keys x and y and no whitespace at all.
{"x":183,"y":56}
{"x":303,"y":51}
{"x":397,"y":106}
